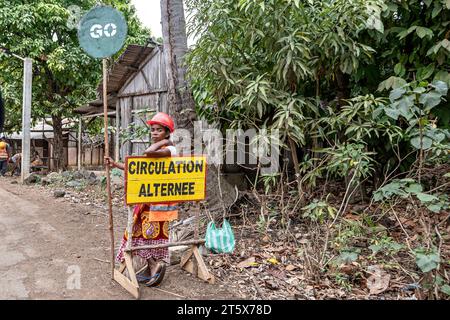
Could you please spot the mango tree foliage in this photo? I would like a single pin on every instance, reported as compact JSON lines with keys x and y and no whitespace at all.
{"x":258,"y":60}
{"x":325,"y":69}
{"x":416,"y":46}
{"x":64,"y":77}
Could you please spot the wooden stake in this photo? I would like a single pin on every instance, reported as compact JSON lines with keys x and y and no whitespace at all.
{"x":127,"y":284}
{"x":80,"y":147}
{"x":197,"y":220}
{"x":192,"y":261}
{"x":130,"y":229}
{"x":108,"y":178}
{"x":129,"y":263}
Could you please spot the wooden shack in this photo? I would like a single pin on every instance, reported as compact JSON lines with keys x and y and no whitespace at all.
{"x":136,"y":81}
{"x":41,"y":136}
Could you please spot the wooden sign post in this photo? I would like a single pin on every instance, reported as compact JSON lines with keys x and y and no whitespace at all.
{"x":164,"y":180}
{"x":102,"y":33}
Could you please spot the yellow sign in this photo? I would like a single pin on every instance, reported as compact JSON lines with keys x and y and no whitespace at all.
{"x":161,"y":180}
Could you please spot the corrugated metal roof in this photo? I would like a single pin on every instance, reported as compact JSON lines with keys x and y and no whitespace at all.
{"x":127,"y":64}
{"x":96,"y":106}
{"x":124,"y":68}
{"x":41,"y":131}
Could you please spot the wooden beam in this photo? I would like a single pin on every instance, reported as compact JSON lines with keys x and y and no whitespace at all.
{"x":132,"y":68}
{"x":117,"y":146}
{"x":203,"y":272}
{"x":126,"y":284}
{"x":185,"y":257}
{"x":167,"y":245}
{"x":98,"y":115}
{"x":149,"y":87}
{"x":189,"y":267}
{"x":137,"y":94}
{"x":130,"y":268}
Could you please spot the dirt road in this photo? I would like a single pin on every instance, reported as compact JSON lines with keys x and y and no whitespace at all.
{"x":52,"y":249}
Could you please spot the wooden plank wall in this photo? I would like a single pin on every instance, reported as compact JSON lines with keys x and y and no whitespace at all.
{"x":147,"y":89}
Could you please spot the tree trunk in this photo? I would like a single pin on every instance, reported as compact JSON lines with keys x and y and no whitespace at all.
{"x":293,"y":148}
{"x":342,"y":87}
{"x":58,"y":145}
{"x":180,"y":100}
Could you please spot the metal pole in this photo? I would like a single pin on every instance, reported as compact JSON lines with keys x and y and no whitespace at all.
{"x":108,"y":178}
{"x":26,"y":117}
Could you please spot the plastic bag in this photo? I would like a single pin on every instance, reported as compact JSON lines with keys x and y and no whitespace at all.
{"x":220,"y":240}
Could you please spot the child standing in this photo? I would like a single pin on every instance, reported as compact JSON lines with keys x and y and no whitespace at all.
{"x":151,"y":221}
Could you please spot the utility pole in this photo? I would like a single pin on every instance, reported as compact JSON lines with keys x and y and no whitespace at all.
{"x":26,"y":117}
{"x":26,"y":111}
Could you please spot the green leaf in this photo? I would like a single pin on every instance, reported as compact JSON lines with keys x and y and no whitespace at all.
{"x":414,"y":188}
{"x":375,"y":248}
{"x":425,"y":72}
{"x":378,"y":196}
{"x":423,"y":197}
{"x":419,"y":90}
{"x":392,"y":113}
{"x":403,"y":34}
{"x":423,"y":32}
{"x":430,"y":100}
{"x":443,"y":76}
{"x":438,"y":137}
{"x":348,"y":257}
{"x":396,"y":246}
{"x":445,"y":289}
{"x":399,"y":69}
{"x":440,"y":86}
{"x":445,"y":44}
{"x":404,"y":106}
{"x":396,"y":93}
{"x":436,"y":10}
{"x":391,"y":83}
{"x":426,"y":142}
{"x":379,"y":26}
{"x":427,"y":261}
{"x":392,"y":7}
{"x":435,"y":207}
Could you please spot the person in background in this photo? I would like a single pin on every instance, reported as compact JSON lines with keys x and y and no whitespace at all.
{"x":17,"y":161}
{"x":4,"y":156}
{"x":37,"y":161}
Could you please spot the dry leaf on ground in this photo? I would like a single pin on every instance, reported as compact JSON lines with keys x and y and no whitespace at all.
{"x":378,"y":280}
{"x":290,"y":267}
{"x":247,"y":263}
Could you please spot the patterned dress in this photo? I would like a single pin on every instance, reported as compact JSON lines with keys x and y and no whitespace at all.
{"x":151,"y":227}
